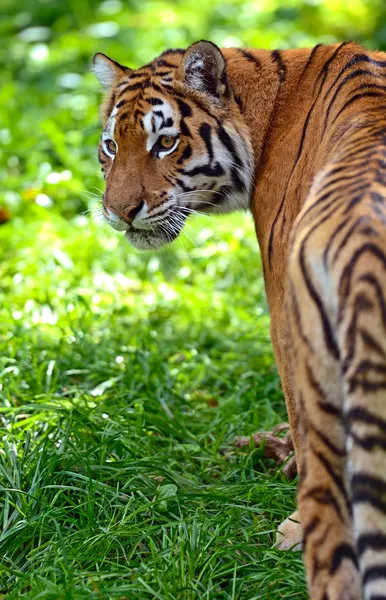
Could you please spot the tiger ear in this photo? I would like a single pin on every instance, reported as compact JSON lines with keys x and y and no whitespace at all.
{"x":204,"y":69}
{"x":108,"y":71}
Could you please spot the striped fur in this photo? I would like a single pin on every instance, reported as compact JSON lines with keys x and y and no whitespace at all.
{"x":311,"y":126}
{"x":208,"y":168}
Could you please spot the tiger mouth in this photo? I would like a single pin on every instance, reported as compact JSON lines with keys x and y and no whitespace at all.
{"x":151,"y":235}
{"x":146,"y":239}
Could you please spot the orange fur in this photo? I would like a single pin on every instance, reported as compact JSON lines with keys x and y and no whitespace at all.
{"x":314,"y":124}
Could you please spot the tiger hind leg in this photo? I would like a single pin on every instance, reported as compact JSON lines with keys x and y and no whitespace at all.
{"x":362,"y":339}
{"x":324,"y":501}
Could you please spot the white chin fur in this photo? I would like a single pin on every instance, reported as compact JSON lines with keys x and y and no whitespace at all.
{"x":118,"y":225}
{"x":142,"y":240}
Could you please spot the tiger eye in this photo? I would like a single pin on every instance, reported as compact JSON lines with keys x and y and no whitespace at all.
{"x":111,"y":146}
{"x":166,"y":141}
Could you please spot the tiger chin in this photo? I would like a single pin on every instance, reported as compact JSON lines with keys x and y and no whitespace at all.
{"x":174,"y":143}
{"x":298,"y":137}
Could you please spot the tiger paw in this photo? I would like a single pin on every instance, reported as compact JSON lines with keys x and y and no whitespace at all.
{"x":278,"y":448}
{"x":289,"y":535}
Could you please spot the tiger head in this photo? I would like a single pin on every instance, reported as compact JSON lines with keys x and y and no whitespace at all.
{"x":174,"y":142}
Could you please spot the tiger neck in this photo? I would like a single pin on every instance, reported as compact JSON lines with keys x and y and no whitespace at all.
{"x":256,"y":77}
{"x":275,"y":92}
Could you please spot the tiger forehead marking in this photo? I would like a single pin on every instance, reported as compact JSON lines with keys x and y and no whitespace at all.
{"x":109,"y":130}
{"x":160,"y":119}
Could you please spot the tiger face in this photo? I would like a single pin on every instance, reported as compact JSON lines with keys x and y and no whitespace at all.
{"x":173,"y":143}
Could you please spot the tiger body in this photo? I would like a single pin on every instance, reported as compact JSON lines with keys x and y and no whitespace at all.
{"x":299,"y":136}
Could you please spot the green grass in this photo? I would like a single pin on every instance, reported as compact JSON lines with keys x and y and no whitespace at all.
{"x":124,"y":378}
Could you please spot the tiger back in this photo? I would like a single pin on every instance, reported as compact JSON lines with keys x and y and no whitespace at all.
{"x":299,"y":137}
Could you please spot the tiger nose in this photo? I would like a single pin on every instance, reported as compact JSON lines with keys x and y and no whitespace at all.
{"x":129,"y":213}
{"x":132,"y":211}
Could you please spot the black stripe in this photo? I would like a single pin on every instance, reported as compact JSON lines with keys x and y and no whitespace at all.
{"x":361,"y":305}
{"x":310,"y":528}
{"x":367,"y":365}
{"x":323,"y":71}
{"x":358,"y":58}
{"x":361,"y":480}
{"x":371,"y":280}
{"x":338,"y":480}
{"x":356,"y":199}
{"x":210,"y":171}
{"x":327,"y":330}
{"x":186,"y":154}
{"x":195,"y":101}
{"x":321,"y":495}
{"x":298,"y":319}
{"x":172,"y":51}
{"x":159,"y":214}
{"x":313,"y":382}
{"x":359,"y":153}
{"x":320,"y":199}
{"x":184,"y":107}
{"x":138,"y":113}
{"x":332,"y":237}
{"x":135,"y":75}
{"x":227,"y":141}
{"x":281,"y":67}
{"x":373,"y":573}
{"x":357,"y":97}
{"x":124,"y":115}
{"x":309,"y":61}
{"x":359,"y":413}
{"x":327,"y":442}
{"x":185,"y":129}
{"x":154,"y":101}
{"x":122,"y":84}
{"x":330,"y":409}
{"x":161,"y":62}
{"x":366,"y":140}
{"x":239,"y":103}
{"x":341,"y":85}
{"x":347,"y":237}
{"x":105,"y":153}
{"x":349,"y":177}
{"x":371,"y":541}
{"x":344,"y":285}
{"x":158,"y":88}
{"x":370,"y":442}
{"x":169,"y":180}
{"x":184,"y":187}
{"x":133,"y":87}
{"x":168,"y":123}
{"x":250,"y":57}
{"x":206,"y":134}
{"x":164,"y":74}
{"x":370,"y":497}
{"x":341,"y":553}
{"x":371,"y":343}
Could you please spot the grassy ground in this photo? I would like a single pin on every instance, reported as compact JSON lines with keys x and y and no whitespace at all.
{"x":124,"y":377}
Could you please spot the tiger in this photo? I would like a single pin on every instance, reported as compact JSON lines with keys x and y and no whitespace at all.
{"x":298,"y":138}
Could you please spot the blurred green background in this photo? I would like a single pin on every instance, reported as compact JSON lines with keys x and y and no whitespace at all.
{"x":49,"y":97}
{"x":125,"y":376}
